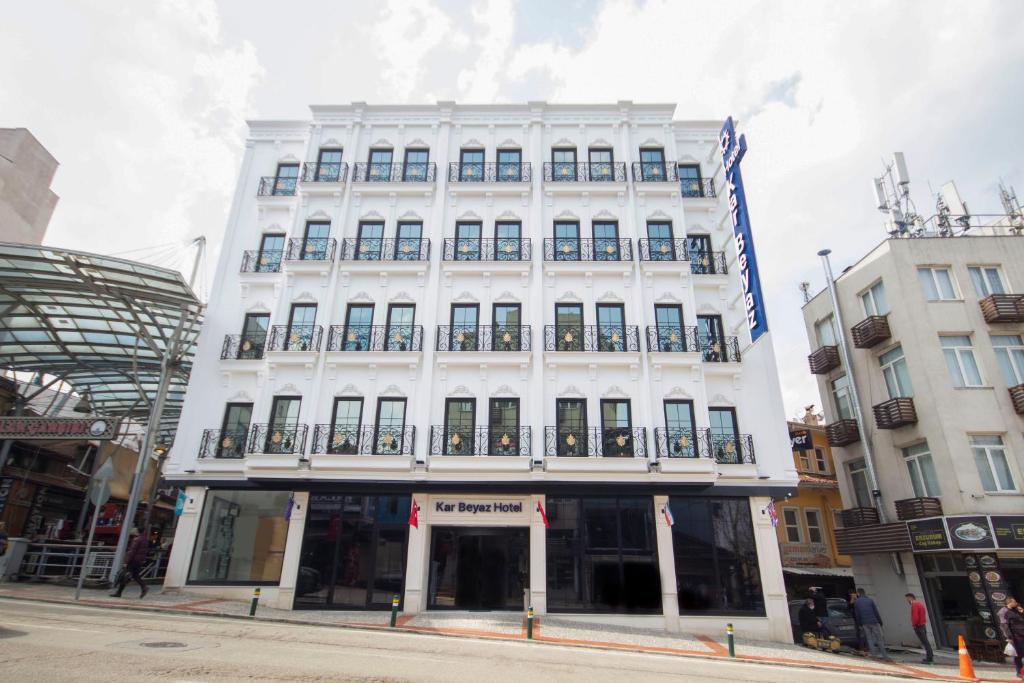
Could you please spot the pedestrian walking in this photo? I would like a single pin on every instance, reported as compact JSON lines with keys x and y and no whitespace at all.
{"x":918,"y":619}
{"x":866,"y":614}
{"x":138,"y":549}
{"x":1011,"y":621}
{"x":817,"y":596}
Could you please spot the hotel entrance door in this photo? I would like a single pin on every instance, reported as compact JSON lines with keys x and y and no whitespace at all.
{"x":479,"y":568}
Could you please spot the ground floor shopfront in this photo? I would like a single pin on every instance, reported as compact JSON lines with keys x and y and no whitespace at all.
{"x":689,"y":562}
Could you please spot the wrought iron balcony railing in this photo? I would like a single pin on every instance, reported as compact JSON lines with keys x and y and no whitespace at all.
{"x":363,"y":439}
{"x":591,"y":338}
{"x":489,"y":172}
{"x":842,"y":433}
{"x":895,"y":413}
{"x":601,"y":249}
{"x":394,"y":173}
{"x":719,"y":350}
{"x":584,"y":172}
{"x":1017,"y":397}
{"x":730,"y":449}
{"x":1003,"y":308}
{"x":595,"y":442}
{"x":490,"y":440}
{"x":672,"y":339}
{"x":326,"y":172}
{"x":824,"y":360}
{"x":505,"y":249}
{"x":385,"y":249}
{"x":271,"y":186}
{"x":697,"y":187}
{"x":311,"y":249}
{"x":679,"y":443}
{"x":295,"y":337}
{"x":870,"y":331}
{"x":375,"y":338}
{"x":663,"y":249}
{"x":224,"y":443}
{"x":654,"y":172}
{"x":859,"y":516}
{"x":278,"y":439}
{"x":483,"y":338}
{"x":708,"y":263}
{"x":266,"y":261}
{"x":243,"y":346}
{"x":918,"y":508}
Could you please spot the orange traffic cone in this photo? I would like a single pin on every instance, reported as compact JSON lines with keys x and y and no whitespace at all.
{"x":966,"y":665}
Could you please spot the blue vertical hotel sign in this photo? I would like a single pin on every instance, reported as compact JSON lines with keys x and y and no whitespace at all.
{"x":733,"y":149}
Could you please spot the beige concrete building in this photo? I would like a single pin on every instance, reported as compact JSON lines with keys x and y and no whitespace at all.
{"x":936,"y":339}
{"x":26,"y":200}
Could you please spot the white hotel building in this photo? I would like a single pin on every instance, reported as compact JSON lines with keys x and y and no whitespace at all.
{"x":525,"y":321}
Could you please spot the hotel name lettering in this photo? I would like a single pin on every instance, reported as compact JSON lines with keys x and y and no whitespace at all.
{"x":498,"y":506}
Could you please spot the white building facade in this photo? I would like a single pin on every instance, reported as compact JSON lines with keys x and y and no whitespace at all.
{"x":480,"y":357}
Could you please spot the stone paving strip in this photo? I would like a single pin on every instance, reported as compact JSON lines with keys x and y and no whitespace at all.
{"x":558,"y":630}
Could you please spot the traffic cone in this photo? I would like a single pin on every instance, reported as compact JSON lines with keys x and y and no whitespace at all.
{"x":966,"y":665}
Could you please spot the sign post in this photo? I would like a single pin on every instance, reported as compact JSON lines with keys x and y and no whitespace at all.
{"x":99,"y":493}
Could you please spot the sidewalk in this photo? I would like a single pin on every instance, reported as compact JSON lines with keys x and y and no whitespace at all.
{"x":561,"y":630}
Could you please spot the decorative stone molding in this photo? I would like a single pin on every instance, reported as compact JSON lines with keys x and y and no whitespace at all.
{"x":468,"y":216}
{"x":669,"y":298}
{"x":382,"y":142}
{"x":718,"y":400}
{"x":509,"y":142}
{"x":461,"y":390}
{"x":507,"y":297}
{"x":571,"y":391}
{"x":403,"y":297}
{"x":472,"y":143}
{"x":258,"y":307}
{"x":566,"y":213}
{"x":287,"y":159}
{"x":466,"y":297}
{"x":651,"y":142}
{"x":410,"y":215}
{"x":678,"y":392}
{"x":614,"y":391}
{"x":564,"y":142}
{"x":610,"y":296}
{"x":417,"y":143}
{"x":505,"y":390}
{"x":318,"y":215}
{"x":240,"y":397}
{"x":569,"y":296}
{"x":349,"y":390}
{"x":508,"y":216}
{"x":305,"y":298}
{"x":392,"y":390}
{"x":288,"y":390}
{"x":604,"y":214}
{"x":371,"y":215}
{"x":331,"y":142}
{"x":600,"y":142}
{"x":659,"y":215}
{"x":707,"y":308}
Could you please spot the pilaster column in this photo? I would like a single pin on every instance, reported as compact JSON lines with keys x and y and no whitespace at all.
{"x":666,"y":566}
{"x":292,"y":550}
{"x":185,"y":537}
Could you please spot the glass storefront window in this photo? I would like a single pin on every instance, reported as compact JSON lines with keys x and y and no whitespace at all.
{"x":716,"y":558}
{"x":241,"y":538}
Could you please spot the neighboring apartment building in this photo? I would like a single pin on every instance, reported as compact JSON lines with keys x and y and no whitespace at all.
{"x":936,"y":334}
{"x":479,"y":356}
{"x":26,"y":200}
{"x":808,"y":520}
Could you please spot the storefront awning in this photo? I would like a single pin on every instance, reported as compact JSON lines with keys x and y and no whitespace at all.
{"x":819,"y":571}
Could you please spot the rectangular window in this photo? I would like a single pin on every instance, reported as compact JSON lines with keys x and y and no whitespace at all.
{"x":287,"y":176}
{"x":345,"y":420}
{"x":690,"y":181}
{"x":963,"y":368}
{"x":616,"y":428}
{"x":508,"y":241}
{"x":611,"y":327}
{"x":825,"y":331}
{"x":993,"y":466}
{"x":601,"y":165}
{"x":725,"y":435}
{"x":922,"y":470}
{"x":669,"y":329}
{"x":389,"y":428}
{"x":791,"y":520}
{"x":408,"y":241}
{"x":986,"y":280}
{"x":459,"y":426}
{"x":711,"y":338}
{"x":358,"y":324}
{"x":301,"y":330}
{"x":328,"y":166}
{"x":270,"y":254}
{"x":510,"y":165}
{"x":874,"y":300}
{"x":369,"y":241}
{"x":314,"y":241}
{"x":283,"y":428}
{"x":660,"y":244}
{"x":569,"y":327}
{"x":415,"y":168}
{"x":254,"y":335}
{"x":1009,"y":350}
{"x":859,"y":481}
{"x":379,"y":167}
{"x":234,"y":430}
{"x":508,"y":332}
{"x":820,"y":461}
{"x":937,"y":283}
{"x":680,"y":429}
{"x":563,"y":165}
{"x":813,"y":519}
{"x":467,"y":241}
{"x":241,"y":538}
{"x":399,"y":332}
{"x":503,"y":424}
{"x":805,"y":461}
{"x":894,"y":370}
{"x":567,"y":241}
{"x":652,"y":164}
{"x":471,"y":165}
{"x":571,"y":429}
{"x":842,"y":399}
{"x":465,"y":320}
{"x":606,"y":241}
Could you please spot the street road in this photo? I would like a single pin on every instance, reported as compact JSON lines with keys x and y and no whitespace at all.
{"x":47,"y":642}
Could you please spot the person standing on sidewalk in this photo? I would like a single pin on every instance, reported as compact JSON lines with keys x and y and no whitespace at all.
{"x":866,"y":614}
{"x":918,"y":619}
{"x":1011,"y":621}
{"x":138,"y":550}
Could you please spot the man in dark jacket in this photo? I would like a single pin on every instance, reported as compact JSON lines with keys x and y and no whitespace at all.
{"x":820,"y":608}
{"x":809,"y":623}
{"x":138,"y":549}
{"x":865,"y":613}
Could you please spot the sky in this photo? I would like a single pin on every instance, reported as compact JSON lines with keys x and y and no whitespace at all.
{"x":144,"y":103}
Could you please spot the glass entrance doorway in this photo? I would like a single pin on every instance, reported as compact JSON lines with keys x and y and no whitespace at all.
{"x":479,"y":568}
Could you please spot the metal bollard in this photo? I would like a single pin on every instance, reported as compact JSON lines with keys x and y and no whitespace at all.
{"x":529,"y":623}
{"x":255,"y":601}
{"x":394,"y":611}
{"x":732,"y":642}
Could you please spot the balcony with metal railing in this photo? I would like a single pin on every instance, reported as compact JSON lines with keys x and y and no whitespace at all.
{"x":313,"y":249}
{"x":842,"y":433}
{"x":488,"y":338}
{"x":507,"y":249}
{"x":895,"y":413}
{"x":1003,"y":308}
{"x":871,"y":331}
{"x":363,"y":440}
{"x":824,"y":360}
{"x":284,"y":439}
{"x":584,"y":172}
{"x":489,"y":172}
{"x":719,"y":349}
{"x":295,"y":338}
{"x":224,"y":444}
{"x":475,"y":441}
{"x":262,"y":261}
{"x":415,"y":172}
{"x":662,"y":249}
{"x":592,"y":338}
{"x":595,"y":442}
{"x":680,"y":443}
{"x":708,"y":263}
{"x":272,"y":186}
{"x":376,"y":249}
{"x":243,"y":347}
{"x":672,"y":339}
{"x":654,"y":172}
{"x":325,"y":172}
{"x":375,"y":338}
{"x":730,"y":449}
{"x":693,"y":188}
{"x":571,"y":250}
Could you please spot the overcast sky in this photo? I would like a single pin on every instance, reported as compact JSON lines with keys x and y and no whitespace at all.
{"x":144,"y":103}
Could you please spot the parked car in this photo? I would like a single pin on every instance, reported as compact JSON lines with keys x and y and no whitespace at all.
{"x":840,"y":621}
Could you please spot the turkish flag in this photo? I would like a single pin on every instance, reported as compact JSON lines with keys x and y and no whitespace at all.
{"x":414,"y":514}
{"x":543,"y":515}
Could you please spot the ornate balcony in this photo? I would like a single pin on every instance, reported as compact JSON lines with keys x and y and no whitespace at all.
{"x":256,"y":261}
{"x":573,"y":249}
{"x":654,"y":172}
{"x":679,"y":443}
{"x":668,"y":339}
{"x":842,"y":433}
{"x":483,"y":338}
{"x":595,"y":442}
{"x":505,"y":249}
{"x":663,"y":249}
{"x":375,"y":338}
{"x":243,"y":346}
{"x":332,"y":172}
{"x":479,"y":441}
{"x":583,"y":172}
{"x":311,"y":249}
{"x":278,"y":439}
{"x":271,"y":186}
{"x":295,"y":337}
{"x":224,"y":443}
{"x":724,"y":350}
{"x":1017,"y":396}
{"x":730,"y":449}
{"x":697,"y":187}
{"x":708,"y":263}
{"x":363,"y":439}
{"x":918,"y":508}
{"x":394,"y":173}
{"x":824,"y":360}
{"x":1003,"y":308}
{"x":895,"y":413}
{"x":379,"y":249}
{"x":589,"y":338}
{"x":853,"y":517}
{"x":870,"y":331}
{"x":489,"y":172}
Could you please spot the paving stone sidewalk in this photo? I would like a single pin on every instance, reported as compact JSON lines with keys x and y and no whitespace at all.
{"x":561,"y":630}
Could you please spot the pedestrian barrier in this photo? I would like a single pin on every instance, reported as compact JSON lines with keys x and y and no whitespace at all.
{"x":64,"y":562}
{"x":966,"y":665}
{"x":255,"y":601}
{"x":732,"y":642}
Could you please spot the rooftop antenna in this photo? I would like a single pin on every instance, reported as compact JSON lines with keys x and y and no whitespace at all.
{"x":805,"y":291}
{"x":1012,"y":208}
{"x":892,"y":197}
{"x":951,"y":211}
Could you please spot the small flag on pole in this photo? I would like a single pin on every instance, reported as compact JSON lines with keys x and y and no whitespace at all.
{"x":414,"y":514}
{"x":669,"y":519}
{"x":288,"y":508}
{"x":543,"y":515}
{"x":773,"y":514}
